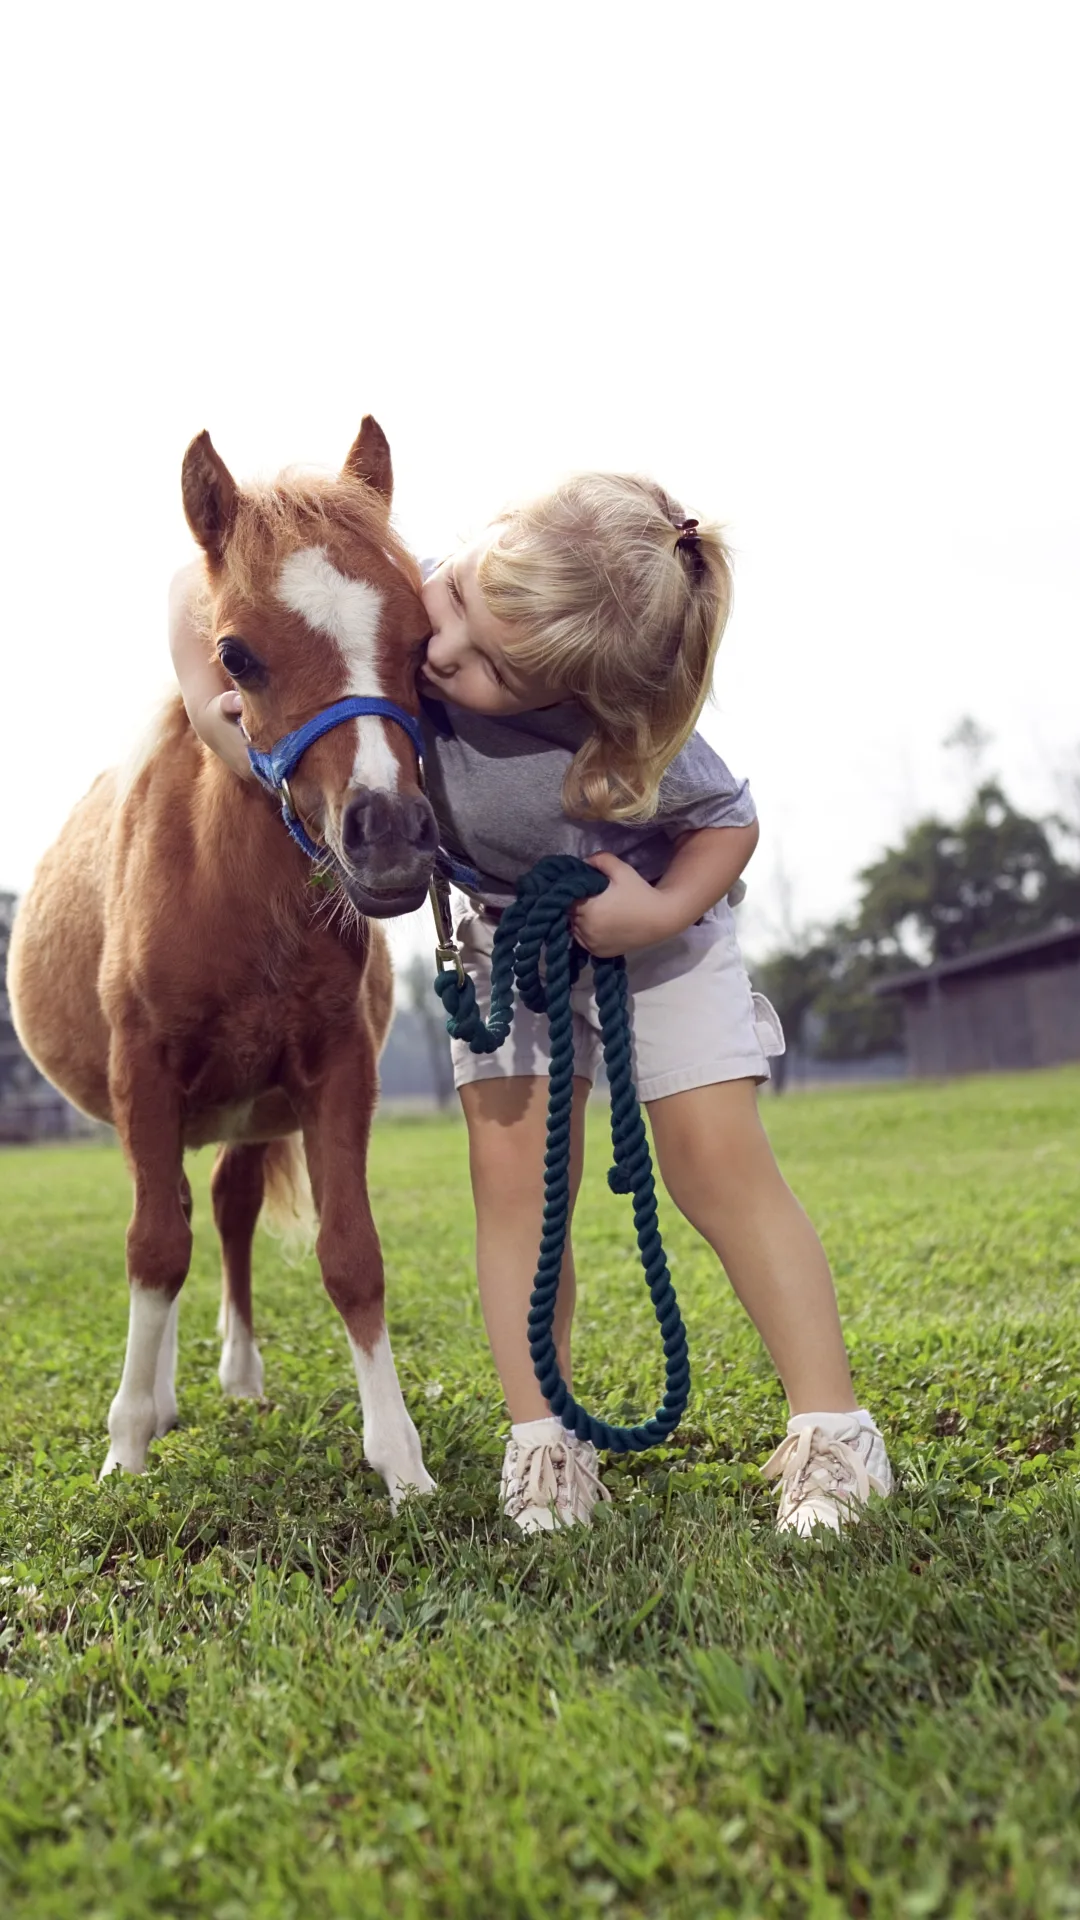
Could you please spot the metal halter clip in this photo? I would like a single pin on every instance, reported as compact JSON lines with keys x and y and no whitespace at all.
{"x":446,"y":953}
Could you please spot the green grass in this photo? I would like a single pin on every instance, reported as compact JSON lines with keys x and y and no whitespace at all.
{"x":236,"y":1687}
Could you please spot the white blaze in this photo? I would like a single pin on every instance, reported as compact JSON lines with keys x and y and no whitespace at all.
{"x":349,"y":612}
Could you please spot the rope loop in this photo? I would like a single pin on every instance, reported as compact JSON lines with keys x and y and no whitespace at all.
{"x":535,"y":953}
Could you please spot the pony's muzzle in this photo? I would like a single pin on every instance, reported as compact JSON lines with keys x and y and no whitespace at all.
{"x":389,"y":839}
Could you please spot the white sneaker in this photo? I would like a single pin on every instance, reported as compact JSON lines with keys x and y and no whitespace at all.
{"x":828,"y":1466}
{"x":550,"y":1480}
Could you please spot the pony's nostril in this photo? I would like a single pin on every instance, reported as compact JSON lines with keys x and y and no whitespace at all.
{"x":420,"y":828}
{"x":355,"y":831}
{"x":371,"y":818}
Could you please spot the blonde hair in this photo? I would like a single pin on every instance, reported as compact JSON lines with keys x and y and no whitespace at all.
{"x":621,"y":603}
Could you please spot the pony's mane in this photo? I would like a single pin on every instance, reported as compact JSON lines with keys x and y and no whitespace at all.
{"x":166,"y":717}
{"x":275,"y":518}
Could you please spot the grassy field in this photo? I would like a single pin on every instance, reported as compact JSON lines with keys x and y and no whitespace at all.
{"x":237,"y":1688}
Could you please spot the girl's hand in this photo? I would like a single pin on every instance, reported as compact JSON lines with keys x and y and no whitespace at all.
{"x":218,"y":724}
{"x":212,"y":706}
{"x":628,"y":914}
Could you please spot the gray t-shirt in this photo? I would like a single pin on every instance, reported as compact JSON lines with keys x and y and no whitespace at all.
{"x":496,"y":787}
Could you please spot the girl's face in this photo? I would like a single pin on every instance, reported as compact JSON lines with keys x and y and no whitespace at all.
{"x":470,"y":654}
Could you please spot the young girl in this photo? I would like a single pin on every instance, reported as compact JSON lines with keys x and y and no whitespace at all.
{"x":572,"y":648}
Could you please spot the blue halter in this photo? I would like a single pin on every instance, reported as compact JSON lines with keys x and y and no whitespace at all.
{"x":273,"y":768}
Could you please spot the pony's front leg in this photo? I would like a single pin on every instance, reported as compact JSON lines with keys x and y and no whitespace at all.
{"x":336,"y":1141}
{"x":146,"y":1109}
{"x":165,"y":1408}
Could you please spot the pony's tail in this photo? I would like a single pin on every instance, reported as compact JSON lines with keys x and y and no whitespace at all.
{"x":288,"y":1202}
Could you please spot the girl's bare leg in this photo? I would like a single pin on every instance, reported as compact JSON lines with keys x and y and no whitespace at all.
{"x":507,"y":1122}
{"x":717,"y":1165}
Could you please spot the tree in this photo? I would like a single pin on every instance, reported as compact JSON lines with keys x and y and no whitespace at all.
{"x":792,"y":979}
{"x":828,"y":983}
{"x":1067,"y":817}
{"x":10,"y":1051}
{"x":18,"y":1075}
{"x":947,"y":890}
{"x":972,"y":743}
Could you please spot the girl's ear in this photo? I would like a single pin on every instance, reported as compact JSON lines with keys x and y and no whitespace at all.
{"x":210,"y":496}
{"x":368,"y":459}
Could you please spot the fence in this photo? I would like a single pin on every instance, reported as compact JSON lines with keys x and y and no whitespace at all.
{"x":24,"y":1121}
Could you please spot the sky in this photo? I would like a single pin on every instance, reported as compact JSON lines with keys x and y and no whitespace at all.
{"x":811,"y":266}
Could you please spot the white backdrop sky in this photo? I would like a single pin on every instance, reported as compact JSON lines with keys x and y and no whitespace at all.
{"x":811,"y":265}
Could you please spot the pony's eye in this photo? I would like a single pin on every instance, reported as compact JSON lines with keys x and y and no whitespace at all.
{"x":238,"y":663}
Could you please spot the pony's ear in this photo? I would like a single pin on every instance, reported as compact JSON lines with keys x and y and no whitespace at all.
{"x":210,"y":495}
{"x":368,"y":459}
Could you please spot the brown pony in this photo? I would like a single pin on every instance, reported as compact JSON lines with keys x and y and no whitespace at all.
{"x":174,"y":970}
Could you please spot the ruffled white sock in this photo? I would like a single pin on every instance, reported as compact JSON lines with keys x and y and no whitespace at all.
{"x":832,"y":1422}
{"x":531,"y":1433}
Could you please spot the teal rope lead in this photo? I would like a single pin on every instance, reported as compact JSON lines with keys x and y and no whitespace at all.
{"x":535,"y":930}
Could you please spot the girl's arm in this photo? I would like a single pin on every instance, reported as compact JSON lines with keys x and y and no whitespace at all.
{"x":630,"y":913}
{"x":213,"y":707}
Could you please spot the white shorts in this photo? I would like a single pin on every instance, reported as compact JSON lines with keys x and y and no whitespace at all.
{"x":693,"y":1017}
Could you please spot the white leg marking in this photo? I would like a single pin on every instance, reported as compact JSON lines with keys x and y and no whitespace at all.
{"x":391,"y":1442}
{"x":133,"y":1414}
{"x":241,"y":1369}
{"x":349,"y":611}
{"x":165,"y":1408}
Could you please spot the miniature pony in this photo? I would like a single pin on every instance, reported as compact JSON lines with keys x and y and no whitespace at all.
{"x":174,"y":970}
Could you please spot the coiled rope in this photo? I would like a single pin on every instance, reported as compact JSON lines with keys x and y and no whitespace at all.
{"x":535,"y":951}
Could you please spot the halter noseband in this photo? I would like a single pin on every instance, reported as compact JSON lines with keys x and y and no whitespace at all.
{"x":272,"y":769}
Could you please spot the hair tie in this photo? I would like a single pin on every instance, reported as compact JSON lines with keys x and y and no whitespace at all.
{"x":688,"y":535}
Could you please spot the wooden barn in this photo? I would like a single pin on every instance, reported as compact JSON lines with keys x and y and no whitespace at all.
{"x":1016,"y":1005}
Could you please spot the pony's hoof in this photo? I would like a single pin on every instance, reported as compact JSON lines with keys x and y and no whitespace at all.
{"x":240,"y":1389}
{"x":132,"y":1420}
{"x":241,"y":1371}
{"x":411,"y":1489}
{"x":114,"y":1464}
{"x":242,"y":1386}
